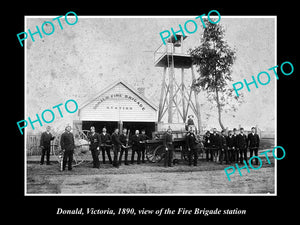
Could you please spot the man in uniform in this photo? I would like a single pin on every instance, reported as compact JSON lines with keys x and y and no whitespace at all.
{"x":105,"y":145}
{"x":135,"y":143}
{"x":46,"y":138}
{"x":124,"y":138}
{"x":67,"y":144}
{"x":242,"y":145}
{"x":169,"y":148}
{"x":95,"y":142}
{"x":143,"y":139}
{"x":190,"y":122}
{"x":230,"y":146}
{"x":191,"y":142}
{"x":207,"y":145}
{"x":253,"y":143}
{"x":215,"y":144}
{"x":116,"y":143}
{"x":235,"y":145}
{"x":223,"y":148}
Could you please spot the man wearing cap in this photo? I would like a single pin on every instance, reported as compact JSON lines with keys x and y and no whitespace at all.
{"x":117,"y":144}
{"x":235,"y":146}
{"x":190,"y":122}
{"x":105,"y":145}
{"x":169,"y":148}
{"x":242,"y":145}
{"x":215,"y":144}
{"x":191,"y":142}
{"x":143,"y":140}
{"x":136,"y":147}
{"x":207,"y":145}
{"x":253,"y":143}
{"x":95,"y":142}
{"x":230,"y":145}
{"x":46,"y":138}
{"x":124,"y":138}
{"x":223,"y":148}
{"x":68,"y":145}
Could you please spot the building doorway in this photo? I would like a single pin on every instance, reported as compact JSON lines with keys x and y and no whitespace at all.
{"x":132,"y":126}
{"x":110,"y":125}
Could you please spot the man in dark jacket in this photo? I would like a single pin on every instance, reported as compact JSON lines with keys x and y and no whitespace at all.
{"x":223,"y":148}
{"x":117,"y":144}
{"x":45,"y":145}
{"x":235,"y":145}
{"x":95,"y":143}
{"x":124,"y":138}
{"x":242,"y":145}
{"x":105,"y":145}
{"x":230,"y":146}
{"x":169,"y":148}
{"x":191,"y":142}
{"x":253,"y":143}
{"x":215,"y":144}
{"x":143,"y":140}
{"x":207,"y":145}
{"x":67,"y":144}
{"x":136,"y":148}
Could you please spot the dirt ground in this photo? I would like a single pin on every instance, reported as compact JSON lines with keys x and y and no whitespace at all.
{"x":149,"y":178}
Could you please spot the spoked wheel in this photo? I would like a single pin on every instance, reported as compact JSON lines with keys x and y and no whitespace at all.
{"x":155,"y":154}
{"x":150,"y":153}
{"x":159,"y":153}
{"x":81,"y":151}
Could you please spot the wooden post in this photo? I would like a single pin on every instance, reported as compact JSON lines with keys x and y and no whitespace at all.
{"x":182,"y":95}
{"x":171,"y":88}
{"x":197,"y":104}
{"x":162,"y":95}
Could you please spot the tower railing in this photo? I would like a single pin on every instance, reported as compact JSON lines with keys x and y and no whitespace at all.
{"x":163,"y":50}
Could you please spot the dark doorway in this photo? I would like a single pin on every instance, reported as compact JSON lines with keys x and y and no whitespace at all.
{"x":110,"y":125}
{"x":132,"y":126}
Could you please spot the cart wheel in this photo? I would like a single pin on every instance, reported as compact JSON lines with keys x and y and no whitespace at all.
{"x":150,"y":154}
{"x":159,"y":153}
{"x":81,"y":151}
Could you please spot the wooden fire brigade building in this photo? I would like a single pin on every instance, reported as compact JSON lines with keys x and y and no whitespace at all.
{"x":119,"y":105}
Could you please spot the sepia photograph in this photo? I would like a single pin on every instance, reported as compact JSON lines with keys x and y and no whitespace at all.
{"x":150,"y":105}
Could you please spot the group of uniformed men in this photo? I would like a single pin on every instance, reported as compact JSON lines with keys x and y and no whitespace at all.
{"x":120,"y":143}
{"x":218,"y":147}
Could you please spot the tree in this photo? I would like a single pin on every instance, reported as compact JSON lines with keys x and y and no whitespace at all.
{"x":214,"y":59}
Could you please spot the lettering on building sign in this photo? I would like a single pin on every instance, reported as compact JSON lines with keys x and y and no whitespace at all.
{"x":118,"y":97}
{"x":119,"y":107}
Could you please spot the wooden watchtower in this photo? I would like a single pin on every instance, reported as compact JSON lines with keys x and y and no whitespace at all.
{"x":177,"y":99}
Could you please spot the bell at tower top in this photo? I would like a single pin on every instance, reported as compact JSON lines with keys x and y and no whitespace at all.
{"x":173,"y":50}
{"x":176,"y":41}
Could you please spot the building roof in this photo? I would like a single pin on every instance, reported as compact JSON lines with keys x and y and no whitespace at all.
{"x":131,"y":88}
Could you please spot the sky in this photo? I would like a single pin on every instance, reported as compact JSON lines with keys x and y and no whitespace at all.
{"x":81,"y":60}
